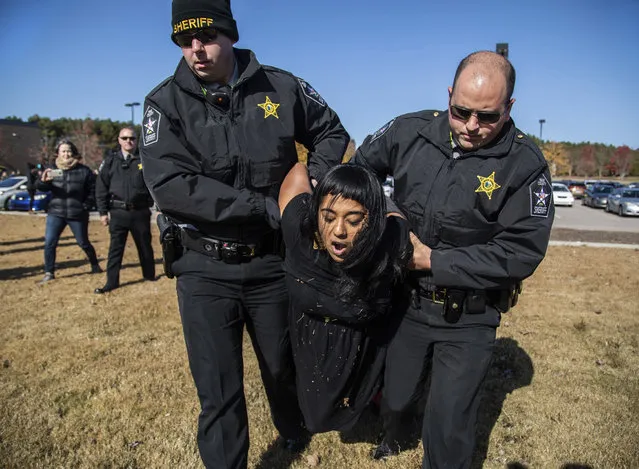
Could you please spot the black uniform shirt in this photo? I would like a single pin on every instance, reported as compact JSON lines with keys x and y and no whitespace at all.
{"x":210,"y":162}
{"x":120,"y":179}
{"x":487,"y":214}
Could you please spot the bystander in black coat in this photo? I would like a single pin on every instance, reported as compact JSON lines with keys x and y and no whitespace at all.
{"x":72,"y":187}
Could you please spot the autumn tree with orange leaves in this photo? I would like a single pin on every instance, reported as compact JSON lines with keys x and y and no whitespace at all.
{"x":557,"y":158}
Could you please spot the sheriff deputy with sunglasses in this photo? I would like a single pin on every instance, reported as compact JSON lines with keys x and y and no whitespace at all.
{"x":477,"y":192}
{"x":218,"y":139}
{"x":124,"y":205}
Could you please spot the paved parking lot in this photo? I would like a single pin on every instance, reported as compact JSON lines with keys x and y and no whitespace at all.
{"x":579,"y":217}
{"x":576,"y":217}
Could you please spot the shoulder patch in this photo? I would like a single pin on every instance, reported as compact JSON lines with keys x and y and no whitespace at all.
{"x":310,"y":92}
{"x":382,"y":130}
{"x":151,"y":126}
{"x":540,"y":197}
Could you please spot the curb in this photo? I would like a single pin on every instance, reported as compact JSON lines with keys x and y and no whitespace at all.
{"x":594,"y":245}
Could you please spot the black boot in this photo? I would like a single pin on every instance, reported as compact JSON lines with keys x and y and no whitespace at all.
{"x":104,"y":289}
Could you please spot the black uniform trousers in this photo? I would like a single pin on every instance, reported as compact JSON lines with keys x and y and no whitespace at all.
{"x":456,"y":358}
{"x":138,"y":222}
{"x":216,"y":300}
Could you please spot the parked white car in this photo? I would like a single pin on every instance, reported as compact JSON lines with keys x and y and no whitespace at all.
{"x":561,"y":195}
{"x":10,"y":186}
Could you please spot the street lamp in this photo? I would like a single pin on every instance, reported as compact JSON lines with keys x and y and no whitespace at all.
{"x":132,"y":106}
{"x":541,"y":126}
{"x":502,"y":49}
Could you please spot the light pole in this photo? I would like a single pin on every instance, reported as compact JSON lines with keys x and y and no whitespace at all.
{"x":502,"y":49}
{"x":541,"y":126}
{"x":132,"y":106}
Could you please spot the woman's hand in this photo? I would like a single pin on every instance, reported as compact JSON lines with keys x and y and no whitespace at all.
{"x":421,"y":254}
{"x":46,"y":175}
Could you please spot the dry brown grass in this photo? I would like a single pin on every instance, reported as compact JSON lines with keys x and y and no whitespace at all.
{"x":103,"y":381}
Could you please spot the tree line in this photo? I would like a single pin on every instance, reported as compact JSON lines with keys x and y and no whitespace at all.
{"x":97,"y":137}
{"x":94,"y":138}
{"x":589,"y":160}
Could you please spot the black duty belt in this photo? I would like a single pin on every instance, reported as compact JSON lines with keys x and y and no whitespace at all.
{"x":441,"y":295}
{"x":121,"y":205}
{"x":458,"y":301}
{"x":228,"y":251}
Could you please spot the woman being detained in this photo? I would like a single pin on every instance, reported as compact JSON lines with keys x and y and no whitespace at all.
{"x":344,"y":259}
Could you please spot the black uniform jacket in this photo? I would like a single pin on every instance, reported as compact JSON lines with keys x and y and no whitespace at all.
{"x":212,"y":167}
{"x":121,"y":180}
{"x":73,"y":193}
{"x":487,"y":215}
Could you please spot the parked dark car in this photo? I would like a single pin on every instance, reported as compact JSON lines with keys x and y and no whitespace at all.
{"x":624,"y":201}
{"x":20,"y":201}
{"x":597,"y":196}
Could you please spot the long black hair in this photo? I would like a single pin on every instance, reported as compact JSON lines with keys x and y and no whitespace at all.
{"x":379,"y":252}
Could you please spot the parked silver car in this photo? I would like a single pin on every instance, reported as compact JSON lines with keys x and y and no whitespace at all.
{"x":11,"y":186}
{"x":623,"y":201}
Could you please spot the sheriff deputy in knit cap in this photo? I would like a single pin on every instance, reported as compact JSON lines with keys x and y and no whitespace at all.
{"x":218,"y":138}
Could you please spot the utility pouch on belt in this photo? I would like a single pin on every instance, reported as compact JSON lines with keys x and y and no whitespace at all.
{"x":171,"y":245}
{"x":476,"y":303}
{"x":516,"y":292}
{"x":454,"y":305}
{"x":507,"y":299}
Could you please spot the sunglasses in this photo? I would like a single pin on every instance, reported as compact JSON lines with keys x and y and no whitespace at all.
{"x":205,"y":36}
{"x":128,"y":138}
{"x":484,"y":117}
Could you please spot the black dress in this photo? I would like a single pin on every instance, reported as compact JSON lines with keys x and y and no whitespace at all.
{"x":339,"y":357}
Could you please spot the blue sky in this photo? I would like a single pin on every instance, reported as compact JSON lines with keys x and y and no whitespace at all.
{"x":577,"y":61}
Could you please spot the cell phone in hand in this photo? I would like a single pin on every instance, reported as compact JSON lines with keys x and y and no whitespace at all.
{"x":55,"y":173}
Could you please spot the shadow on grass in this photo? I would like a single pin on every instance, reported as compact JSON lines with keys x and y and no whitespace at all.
{"x":511,"y":369}
{"x":38,"y":247}
{"x":30,"y":271}
{"x":277,"y":456}
{"x":39,"y":239}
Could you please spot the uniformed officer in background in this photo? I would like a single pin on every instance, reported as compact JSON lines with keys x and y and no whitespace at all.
{"x":218,"y":139}
{"x":123,"y":203}
{"x":477,"y":192}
